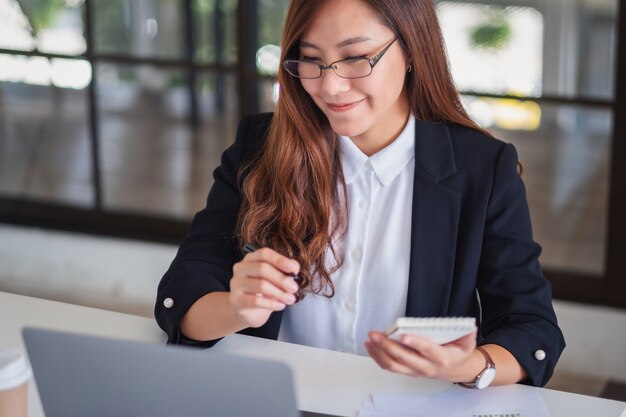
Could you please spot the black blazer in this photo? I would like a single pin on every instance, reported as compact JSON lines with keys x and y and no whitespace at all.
{"x":472,"y":252}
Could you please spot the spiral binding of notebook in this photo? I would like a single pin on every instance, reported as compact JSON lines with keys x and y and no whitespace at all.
{"x":441,"y":330}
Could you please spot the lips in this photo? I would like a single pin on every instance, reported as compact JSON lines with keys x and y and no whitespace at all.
{"x":341,"y":107}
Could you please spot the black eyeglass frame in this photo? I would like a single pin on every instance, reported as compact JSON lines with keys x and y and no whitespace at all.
{"x":372,"y":61}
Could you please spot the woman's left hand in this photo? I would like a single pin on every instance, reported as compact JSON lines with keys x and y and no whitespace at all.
{"x":418,"y":356}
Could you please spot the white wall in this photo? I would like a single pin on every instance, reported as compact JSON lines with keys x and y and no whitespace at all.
{"x":123,"y":275}
{"x":104,"y":272}
{"x":596,"y":340}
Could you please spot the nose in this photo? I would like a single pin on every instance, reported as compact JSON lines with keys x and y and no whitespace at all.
{"x":332,"y":84}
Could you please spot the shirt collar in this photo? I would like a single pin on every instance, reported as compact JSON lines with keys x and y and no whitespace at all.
{"x":386,"y":163}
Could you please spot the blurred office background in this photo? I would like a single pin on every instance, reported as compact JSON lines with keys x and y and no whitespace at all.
{"x":113,"y":114}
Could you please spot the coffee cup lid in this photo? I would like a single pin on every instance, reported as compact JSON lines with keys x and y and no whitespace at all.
{"x":14,"y":369}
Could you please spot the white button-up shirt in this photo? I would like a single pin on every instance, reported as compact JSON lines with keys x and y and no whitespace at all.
{"x":371,"y":286}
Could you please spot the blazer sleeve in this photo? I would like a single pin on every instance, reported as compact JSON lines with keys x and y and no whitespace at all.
{"x":205,"y":257}
{"x":515,"y":297}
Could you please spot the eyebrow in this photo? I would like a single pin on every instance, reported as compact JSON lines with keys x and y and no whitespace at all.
{"x":342,"y":44}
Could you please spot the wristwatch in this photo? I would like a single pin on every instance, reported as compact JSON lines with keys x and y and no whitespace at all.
{"x":485,"y":377}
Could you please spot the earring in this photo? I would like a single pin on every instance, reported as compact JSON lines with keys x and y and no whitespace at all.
{"x":410,"y":68}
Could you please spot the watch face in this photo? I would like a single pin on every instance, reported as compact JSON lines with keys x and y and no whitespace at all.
{"x":486,"y":378}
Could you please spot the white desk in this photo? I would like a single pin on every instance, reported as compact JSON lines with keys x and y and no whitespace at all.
{"x":327,"y":382}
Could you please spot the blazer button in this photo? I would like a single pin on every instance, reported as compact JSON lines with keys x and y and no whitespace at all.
{"x":540,"y":355}
{"x":169,"y":303}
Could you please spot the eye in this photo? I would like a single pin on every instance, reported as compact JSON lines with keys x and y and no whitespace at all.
{"x":349,"y":58}
{"x":309,"y":59}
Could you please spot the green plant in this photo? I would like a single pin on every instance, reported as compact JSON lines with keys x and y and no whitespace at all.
{"x":494,"y":33}
{"x":41,"y":14}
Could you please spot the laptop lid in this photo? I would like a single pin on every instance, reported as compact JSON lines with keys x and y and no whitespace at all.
{"x":85,"y":376}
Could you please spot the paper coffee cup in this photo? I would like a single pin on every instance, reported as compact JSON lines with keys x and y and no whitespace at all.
{"x":15,"y":372}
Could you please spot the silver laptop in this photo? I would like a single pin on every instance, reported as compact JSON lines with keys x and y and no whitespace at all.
{"x":84,"y":376}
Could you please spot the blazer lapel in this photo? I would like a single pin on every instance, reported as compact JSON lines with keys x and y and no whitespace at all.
{"x":435,"y":221}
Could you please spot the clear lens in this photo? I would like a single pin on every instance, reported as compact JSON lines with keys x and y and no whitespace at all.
{"x":349,"y":68}
{"x":353,"y":68}
{"x":302,"y":69}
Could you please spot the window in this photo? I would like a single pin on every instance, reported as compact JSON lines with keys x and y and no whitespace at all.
{"x":541,"y":75}
{"x":113,"y":113}
{"x":526,"y":53}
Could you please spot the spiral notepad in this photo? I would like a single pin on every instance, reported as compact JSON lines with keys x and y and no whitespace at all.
{"x":439,"y":329}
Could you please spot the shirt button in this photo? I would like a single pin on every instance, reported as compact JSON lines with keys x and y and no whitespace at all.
{"x":168,"y":303}
{"x":356,"y":254}
{"x":362,"y":204}
{"x":348,"y":305}
{"x":540,"y":355}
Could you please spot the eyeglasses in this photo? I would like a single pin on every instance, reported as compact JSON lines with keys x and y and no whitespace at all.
{"x":353,"y":67}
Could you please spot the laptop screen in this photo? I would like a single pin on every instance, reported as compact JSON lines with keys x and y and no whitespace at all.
{"x":80,"y":376}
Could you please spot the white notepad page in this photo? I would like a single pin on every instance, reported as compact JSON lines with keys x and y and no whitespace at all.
{"x":439,"y":329}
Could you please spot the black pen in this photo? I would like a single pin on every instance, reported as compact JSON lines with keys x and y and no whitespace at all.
{"x":249,"y":248}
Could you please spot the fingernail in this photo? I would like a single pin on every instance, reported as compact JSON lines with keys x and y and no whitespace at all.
{"x":375,"y":337}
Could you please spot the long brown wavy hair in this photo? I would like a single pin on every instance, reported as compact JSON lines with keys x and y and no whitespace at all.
{"x":292,"y":193}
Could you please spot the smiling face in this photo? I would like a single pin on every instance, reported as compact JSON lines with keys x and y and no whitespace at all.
{"x":372,"y":111}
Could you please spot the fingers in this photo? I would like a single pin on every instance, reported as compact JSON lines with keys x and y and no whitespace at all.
{"x":466,"y":343}
{"x":259,"y":281}
{"x":256,"y":301}
{"x":440,"y":354}
{"x":397,"y":357}
{"x":269,"y":265}
{"x":385,"y":361}
{"x":267,"y":289}
{"x":274,"y":258}
{"x":419,"y":356}
{"x":429,"y":350}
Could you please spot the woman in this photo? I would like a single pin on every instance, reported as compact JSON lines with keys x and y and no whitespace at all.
{"x":372,"y":183}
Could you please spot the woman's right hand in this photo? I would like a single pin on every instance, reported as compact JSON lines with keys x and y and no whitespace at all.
{"x":260,"y":286}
